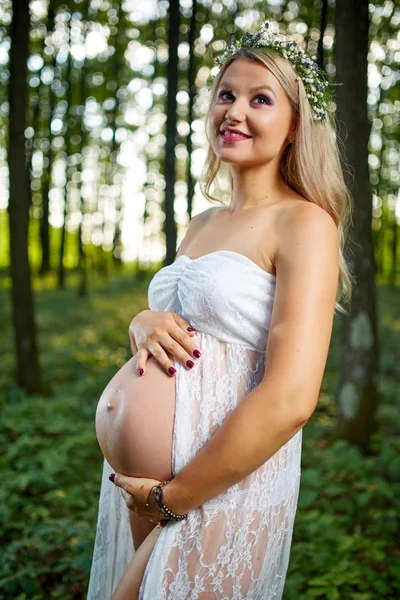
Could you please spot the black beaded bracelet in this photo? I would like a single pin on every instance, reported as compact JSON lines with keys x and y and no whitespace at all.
{"x":159,"y":500}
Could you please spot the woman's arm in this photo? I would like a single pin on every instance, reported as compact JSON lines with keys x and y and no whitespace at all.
{"x":297,"y":349}
{"x":261,"y":424}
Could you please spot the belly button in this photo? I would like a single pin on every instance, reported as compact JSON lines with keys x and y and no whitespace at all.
{"x":109,"y":405}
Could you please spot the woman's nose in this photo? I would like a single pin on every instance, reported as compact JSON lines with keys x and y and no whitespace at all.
{"x":236,"y":112}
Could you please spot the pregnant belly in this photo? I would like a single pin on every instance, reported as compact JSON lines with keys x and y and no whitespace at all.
{"x":135,"y":419}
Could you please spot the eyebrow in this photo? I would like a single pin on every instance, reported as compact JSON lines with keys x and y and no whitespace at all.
{"x":260,"y":87}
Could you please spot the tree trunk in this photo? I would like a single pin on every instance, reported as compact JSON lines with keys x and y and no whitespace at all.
{"x":28,"y":369}
{"x":192,"y":93}
{"x":170,"y":175}
{"x":68,"y":134}
{"x":45,"y":265}
{"x":112,"y":123}
{"x":358,"y":395}
{"x":322,"y":28}
{"x":82,"y":259}
{"x":394,"y":248}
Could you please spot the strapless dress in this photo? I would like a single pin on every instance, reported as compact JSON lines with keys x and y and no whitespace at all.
{"x":236,"y":546}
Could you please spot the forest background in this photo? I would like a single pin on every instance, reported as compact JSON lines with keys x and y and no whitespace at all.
{"x":102,"y":107}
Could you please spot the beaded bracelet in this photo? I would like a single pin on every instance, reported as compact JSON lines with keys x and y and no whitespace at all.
{"x":162,"y":508}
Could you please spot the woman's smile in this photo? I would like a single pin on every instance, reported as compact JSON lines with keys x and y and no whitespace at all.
{"x":229,"y":136}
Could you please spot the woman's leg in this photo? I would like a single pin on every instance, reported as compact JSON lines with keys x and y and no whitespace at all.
{"x":140,"y":528}
{"x":130,"y":582}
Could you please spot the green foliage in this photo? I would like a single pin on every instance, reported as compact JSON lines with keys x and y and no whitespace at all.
{"x":345,"y":540}
{"x":51,"y":462}
{"x":346,"y":530}
{"x":344,"y":543}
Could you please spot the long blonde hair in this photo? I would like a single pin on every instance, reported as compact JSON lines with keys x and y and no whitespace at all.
{"x":311,"y":166}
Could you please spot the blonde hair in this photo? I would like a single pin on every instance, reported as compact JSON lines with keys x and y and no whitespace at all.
{"x":311,"y":166}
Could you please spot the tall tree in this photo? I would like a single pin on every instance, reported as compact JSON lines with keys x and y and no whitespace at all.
{"x":119,"y":43}
{"x":28,"y":369}
{"x":358,"y":395}
{"x":322,"y":28}
{"x":170,"y":173}
{"x":82,"y":258}
{"x":394,"y":248}
{"x":48,"y":153}
{"x":192,"y":94}
{"x":68,"y":153}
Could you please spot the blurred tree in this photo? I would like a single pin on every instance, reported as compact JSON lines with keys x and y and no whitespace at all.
{"x":28,"y":369}
{"x":68,"y":152}
{"x":82,"y":257}
{"x":150,"y":175}
{"x":322,"y":28}
{"x":170,"y":174}
{"x":119,"y":43}
{"x":192,"y":94}
{"x":384,"y":140}
{"x":50,"y":60}
{"x":358,"y":395}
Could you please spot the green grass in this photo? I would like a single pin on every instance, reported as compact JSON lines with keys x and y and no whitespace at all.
{"x":347,"y":525}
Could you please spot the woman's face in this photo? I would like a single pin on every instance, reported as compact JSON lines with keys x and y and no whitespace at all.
{"x":263,"y":114}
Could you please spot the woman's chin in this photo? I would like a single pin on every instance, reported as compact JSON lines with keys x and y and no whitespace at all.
{"x":230,"y":159}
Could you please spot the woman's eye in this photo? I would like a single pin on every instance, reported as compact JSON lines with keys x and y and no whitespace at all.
{"x":223,"y":93}
{"x":266,"y":100}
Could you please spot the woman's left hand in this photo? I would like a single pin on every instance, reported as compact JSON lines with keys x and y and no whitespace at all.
{"x":136,"y":491}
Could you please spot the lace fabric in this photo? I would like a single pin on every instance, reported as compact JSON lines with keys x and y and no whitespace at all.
{"x":236,"y":546}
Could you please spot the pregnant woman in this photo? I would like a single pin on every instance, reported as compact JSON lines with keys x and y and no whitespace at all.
{"x":259,"y":280}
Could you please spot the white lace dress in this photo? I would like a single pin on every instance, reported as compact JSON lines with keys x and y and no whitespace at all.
{"x":236,"y":546}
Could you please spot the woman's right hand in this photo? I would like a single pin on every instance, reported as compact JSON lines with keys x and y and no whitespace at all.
{"x":154,"y":333}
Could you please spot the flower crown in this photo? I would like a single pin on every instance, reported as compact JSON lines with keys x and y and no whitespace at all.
{"x":314,"y":78}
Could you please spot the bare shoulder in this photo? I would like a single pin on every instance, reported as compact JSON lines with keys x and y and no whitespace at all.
{"x":204,"y":216}
{"x":306,"y":232}
{"x":196,"y":223}
{"x":304,"y":214}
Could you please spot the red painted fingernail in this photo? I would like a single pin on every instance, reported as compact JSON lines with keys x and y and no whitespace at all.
{"x":112,"y":477}
{"x":172,"y":370}
{"x":191,"y":329}
{"x":190,"y":364}
{"x":197,"y":353}
{"x":141,"y":371}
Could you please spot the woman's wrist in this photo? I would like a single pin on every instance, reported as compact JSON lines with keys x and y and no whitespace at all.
{"x":175,"y":499}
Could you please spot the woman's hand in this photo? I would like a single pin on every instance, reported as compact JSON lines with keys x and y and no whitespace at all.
{"x":156,"y":333}
{"x":136,"y":493}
